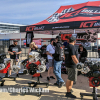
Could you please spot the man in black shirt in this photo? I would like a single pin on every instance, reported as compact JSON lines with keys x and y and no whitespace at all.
{"x":71,"y":61}
{"x":14,"y":51}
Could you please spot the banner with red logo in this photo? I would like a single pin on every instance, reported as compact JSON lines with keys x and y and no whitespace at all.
{"x":37,"y":42}
{"x":84,"y":38}
{"x":78,"y":16}
{"x":65,"y":36}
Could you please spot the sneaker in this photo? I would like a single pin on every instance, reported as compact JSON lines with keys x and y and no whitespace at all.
{"x":40,"y":75}
{"x":70,"y":95}
{"x":56,"y":84}
{"x":9,"y":75}
{"x":52,"y":77}
{"x":48,"y":78}
{"x":71,"y":90}
{"x":17,"y":75}
{"x":61,"y":84}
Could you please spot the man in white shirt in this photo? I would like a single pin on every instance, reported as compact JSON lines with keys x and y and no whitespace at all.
{"x":49,"y":51}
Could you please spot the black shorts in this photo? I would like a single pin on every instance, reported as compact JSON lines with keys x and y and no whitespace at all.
{"x":72,"y":74}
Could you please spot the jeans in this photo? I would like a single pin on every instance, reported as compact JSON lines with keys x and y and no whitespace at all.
{"x":57,"y":71}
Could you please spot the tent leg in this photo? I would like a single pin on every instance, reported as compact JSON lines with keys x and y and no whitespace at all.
{"x":97,"y":46}
{"x":74,"y":31}
{"x":20,"y":45}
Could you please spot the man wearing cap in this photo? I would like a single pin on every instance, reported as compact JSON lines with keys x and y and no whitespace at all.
{"x":71,"y":61}
{"x":50,"y":50}
{"x":14,"y":51}
{"x":58,"y":58}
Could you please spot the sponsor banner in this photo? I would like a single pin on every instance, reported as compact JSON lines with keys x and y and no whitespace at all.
{"x":31,"y":28}
{"x":85,"y":38}
{"x":88,"y":36}
{"x":62,"y":26}
{"x":38,"y":43}
{"x":65,"y":36}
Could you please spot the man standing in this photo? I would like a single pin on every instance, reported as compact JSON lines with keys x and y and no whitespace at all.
{"x":49,"y":51}
{"x":14,"y":51}
{"x":71,"y":61}
{"x":58,"y":58}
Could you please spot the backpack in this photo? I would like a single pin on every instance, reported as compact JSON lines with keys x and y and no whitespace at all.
{"x":59,"y":52}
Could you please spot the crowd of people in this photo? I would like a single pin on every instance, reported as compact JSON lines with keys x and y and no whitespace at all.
{"x":56,"y":52}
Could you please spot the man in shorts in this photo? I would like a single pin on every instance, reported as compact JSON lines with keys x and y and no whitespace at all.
{"x":14,"y":51}
{"x":49,"y":51}
{"x":71,"y":61}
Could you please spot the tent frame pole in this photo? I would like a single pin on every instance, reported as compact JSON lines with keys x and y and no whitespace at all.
{"x":20,"y":45}
{"x":97,"y":46}
{"x":74,"y":31}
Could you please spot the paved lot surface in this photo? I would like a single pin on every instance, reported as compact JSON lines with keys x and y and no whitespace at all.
{"x":54,"y":93}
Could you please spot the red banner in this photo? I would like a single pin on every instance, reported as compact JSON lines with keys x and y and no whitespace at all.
{"x":65,"y":36}
{"x":37,"y":42}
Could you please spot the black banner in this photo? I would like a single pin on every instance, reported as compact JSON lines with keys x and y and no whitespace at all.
{"x":62,"y":26}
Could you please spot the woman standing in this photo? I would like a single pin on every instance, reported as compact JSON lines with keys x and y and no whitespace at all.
{"x":32,"y":47}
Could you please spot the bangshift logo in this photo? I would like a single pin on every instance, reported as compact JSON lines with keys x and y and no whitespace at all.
{"x":55,"y":16}
{"x":87,"y":11}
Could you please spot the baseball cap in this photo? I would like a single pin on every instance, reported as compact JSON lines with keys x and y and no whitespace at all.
{"x":58,"y":37}
{"x":72,"y":38}
{"x":15,"y":40}
{"x":52,"y":39}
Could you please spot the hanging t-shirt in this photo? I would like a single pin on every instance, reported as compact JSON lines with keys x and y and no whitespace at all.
{"x":51,"y":49}
{"x":13,"y":48}
{"x":29,"y":37}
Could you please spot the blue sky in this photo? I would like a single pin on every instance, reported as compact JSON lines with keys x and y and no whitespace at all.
{"x":31,"y":11}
